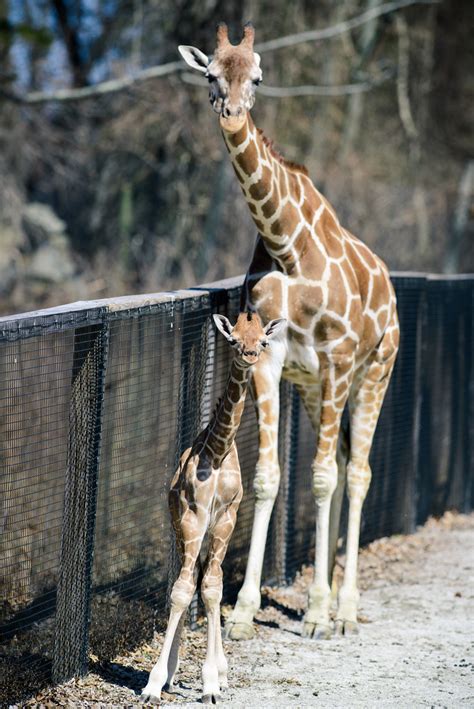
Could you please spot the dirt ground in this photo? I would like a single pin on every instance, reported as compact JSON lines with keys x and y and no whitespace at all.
{"x":415,"y":647}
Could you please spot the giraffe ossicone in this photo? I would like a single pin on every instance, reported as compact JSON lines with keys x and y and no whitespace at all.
{"x":204,"y":497}
{"x":340,"y":344}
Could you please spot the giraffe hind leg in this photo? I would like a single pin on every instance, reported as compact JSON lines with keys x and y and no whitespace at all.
{"x":214,"y":670}
{"x":365,"y":404}
{"x":192,"y":532}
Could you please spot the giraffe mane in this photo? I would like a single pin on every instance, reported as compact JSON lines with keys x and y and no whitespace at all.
{"x":294,"y":166}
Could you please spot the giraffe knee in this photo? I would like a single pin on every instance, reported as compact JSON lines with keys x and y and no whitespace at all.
{"x":211,"y":590}
{"x":324,"y":479}
{"x":182,"y":594}
{"x":266,"y":482}
{"x":359,"y":476}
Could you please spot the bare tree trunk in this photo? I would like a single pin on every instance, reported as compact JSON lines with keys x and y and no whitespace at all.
{"x":412,"y":133}
{"x":330,"y":115}
{"x":71,"y":40}
{"x":461,"y":218}
{"x":356,"y":101}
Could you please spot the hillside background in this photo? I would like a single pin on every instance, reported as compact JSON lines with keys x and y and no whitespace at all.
{"x":131,"y":191}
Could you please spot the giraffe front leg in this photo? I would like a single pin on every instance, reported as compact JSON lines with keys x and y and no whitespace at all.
{"x":336,"y":376}
{"x":159,"y":677}
{"x":265,"y":383}
{"x":211,"y":591}
{"x":163,"y":672}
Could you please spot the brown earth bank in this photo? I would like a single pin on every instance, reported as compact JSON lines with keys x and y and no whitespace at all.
{"x":415,"y":647}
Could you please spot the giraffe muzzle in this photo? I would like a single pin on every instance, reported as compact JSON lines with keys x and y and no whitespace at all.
{"x":231,"y":112}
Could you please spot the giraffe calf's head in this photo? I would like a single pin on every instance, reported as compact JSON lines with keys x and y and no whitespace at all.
{"x":233,"y":73}
{"x":249,"y":337}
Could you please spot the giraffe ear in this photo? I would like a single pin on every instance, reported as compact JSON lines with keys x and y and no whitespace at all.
{"x":194,"y":57}
{"x":224,"y":325}
{"x":274,"y":327}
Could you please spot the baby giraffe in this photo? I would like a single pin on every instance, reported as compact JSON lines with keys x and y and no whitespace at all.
{"x":204,"y":497}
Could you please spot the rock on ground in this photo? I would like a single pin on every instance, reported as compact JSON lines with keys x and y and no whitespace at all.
{"x":414,"y":648}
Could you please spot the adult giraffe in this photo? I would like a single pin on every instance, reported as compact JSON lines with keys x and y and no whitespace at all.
{"x":340,"y":344}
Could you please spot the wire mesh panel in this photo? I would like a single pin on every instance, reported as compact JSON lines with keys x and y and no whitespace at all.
{"x":141,"y":430}
{"x":447,"y":427}
{"x":43,"y":380}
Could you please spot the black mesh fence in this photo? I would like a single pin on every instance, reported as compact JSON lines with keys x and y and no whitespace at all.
{"x":97,"y":400}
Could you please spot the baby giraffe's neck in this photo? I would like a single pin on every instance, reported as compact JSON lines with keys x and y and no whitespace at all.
{"x":225,"y":421}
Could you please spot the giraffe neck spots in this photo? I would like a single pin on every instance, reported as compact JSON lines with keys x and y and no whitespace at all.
{"x":332,"y":290}
{"x":281,"y":198}
{"x":225,"y":421}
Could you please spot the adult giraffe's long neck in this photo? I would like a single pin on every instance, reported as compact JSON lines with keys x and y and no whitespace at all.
{"x":225,"y":421}
{"x":283,"y":201}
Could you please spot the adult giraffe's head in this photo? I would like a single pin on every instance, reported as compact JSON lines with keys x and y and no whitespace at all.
{"x":233,"y":73}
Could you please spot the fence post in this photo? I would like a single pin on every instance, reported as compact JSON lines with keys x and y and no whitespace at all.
{"x":80,"y":493}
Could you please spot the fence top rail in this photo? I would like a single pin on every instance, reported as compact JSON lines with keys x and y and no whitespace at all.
{"x":88,"y":312}
{"x":433,"y":276}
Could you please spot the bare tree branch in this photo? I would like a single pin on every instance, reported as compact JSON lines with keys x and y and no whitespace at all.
{"x":307,"y":90}
{"x":113,"y":85}
{"x":104,"y":87}
{"x":341,"y":27}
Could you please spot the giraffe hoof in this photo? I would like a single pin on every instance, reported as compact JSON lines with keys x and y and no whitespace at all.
{"x":210,"y":698}
{"x":239,"y":631}
{"x":317,"y":631}
{"x":146,"y":698}
{"x":346,"y":627}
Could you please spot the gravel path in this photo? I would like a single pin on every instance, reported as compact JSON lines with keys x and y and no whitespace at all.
{"x":415,"y":648}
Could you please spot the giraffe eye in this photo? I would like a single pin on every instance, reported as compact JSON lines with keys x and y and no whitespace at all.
{"x":265,"y":343}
